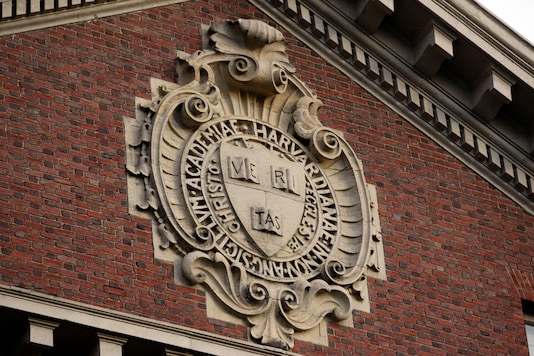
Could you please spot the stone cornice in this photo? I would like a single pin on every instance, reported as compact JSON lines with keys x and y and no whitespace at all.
{"x":487,"y":32}
{"x":378,"y":47}
{"x":81,"y":14}
{"x":127,"y":325}
{"x":451,"y":119}
{"x":419,"y":100}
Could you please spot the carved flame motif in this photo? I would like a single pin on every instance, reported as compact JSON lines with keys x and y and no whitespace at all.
{"x":257,"y":201}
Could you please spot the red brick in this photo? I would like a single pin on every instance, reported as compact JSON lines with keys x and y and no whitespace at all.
{"x":458,"y":252}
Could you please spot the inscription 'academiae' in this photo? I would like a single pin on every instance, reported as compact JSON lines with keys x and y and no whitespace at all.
{"x":275,"y":234}
{"x":255,"y":199}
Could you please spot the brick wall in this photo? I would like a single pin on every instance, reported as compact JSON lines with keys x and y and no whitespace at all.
{"x":458,"y":252}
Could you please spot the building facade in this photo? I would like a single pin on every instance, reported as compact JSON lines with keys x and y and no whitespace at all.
{"x":265,"y":177}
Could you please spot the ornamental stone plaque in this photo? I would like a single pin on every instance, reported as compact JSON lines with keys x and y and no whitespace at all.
{"x":250,"y":195}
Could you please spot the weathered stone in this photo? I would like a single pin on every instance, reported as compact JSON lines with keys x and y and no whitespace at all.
{"x":250,"y":195}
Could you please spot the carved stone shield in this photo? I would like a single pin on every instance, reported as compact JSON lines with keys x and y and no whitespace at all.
{"x":266,"y":190}
{"x":250,"y":195}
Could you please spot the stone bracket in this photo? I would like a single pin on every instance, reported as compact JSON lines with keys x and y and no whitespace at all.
{"x":371,"y":13}
{"x":432,"y":49}
{"x":490,"y":93}
{"x":109,"y":345}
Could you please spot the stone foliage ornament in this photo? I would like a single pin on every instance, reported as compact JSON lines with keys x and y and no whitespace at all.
{"x":250,"y":195}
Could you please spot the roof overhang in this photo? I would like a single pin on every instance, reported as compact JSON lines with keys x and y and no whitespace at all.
{"x":448,"y":66}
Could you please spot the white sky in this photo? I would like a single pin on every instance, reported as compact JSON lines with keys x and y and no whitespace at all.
{"x":516,"y":13}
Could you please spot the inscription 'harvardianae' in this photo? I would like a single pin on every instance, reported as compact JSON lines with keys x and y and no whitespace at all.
{"x":256,"y":199}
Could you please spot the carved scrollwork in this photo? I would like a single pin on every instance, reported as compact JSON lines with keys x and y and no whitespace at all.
{"x":266,"y":207}
{"x":260,"y":31}
{"x":305,"y":116}
{"x":300,"y":306}
{"x":262,"y":77}
{"x":325,"y":144}
{"x":342,"y":274}
{"x":196,"y":110}
{"x":335,"y":270}
{"x":280,"y":79}
{"x":247,"y":36}
{"x":150,"y":197}
{"x":243,"y":68}
{"x":166,"y":237}
{"x":260,"y":64}
{"x":205,"y":238}
{"x":271,"y":330}
{"x":229,"y":282}
{"x":317,"y":295}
